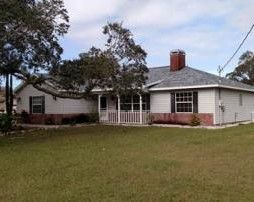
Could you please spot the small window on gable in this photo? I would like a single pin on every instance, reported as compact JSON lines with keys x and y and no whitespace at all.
{"x":240,"y":100}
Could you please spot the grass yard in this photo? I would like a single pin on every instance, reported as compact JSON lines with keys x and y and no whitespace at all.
{"x":105,"y":163}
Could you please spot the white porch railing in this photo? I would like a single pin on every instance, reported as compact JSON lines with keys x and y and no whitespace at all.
{"x":126,"y":117}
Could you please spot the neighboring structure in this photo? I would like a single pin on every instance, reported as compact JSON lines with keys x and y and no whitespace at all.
{"x":173,"y":94}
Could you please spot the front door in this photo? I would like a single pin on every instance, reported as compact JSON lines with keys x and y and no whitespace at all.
{"x":103,"y":107}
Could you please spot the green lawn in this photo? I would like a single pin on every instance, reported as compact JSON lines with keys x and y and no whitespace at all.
{"x":105,"y":163}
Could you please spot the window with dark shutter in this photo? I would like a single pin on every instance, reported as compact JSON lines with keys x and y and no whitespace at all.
{"x":173,"y":102}
{"x":30,"y":105}
{"x":195,"y":102}
{"x":185,"y":102}
{"x":37,"y":104}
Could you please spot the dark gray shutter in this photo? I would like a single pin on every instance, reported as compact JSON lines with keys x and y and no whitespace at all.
{"x":173,"y":110}
{"x":195,"y":102}
{"x":30,"y":105}
{"x":43,"y":104}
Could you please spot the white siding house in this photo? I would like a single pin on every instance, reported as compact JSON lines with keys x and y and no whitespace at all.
{"x":55,"y":105}
{"x":172,"y":94}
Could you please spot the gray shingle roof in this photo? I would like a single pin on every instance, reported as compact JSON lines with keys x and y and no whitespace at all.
{"x":162,"y":77}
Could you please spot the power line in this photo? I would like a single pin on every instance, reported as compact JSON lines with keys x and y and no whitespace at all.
{"x":220,"y":69}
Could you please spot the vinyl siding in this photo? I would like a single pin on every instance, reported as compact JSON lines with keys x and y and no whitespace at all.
{"x":58,"y":106}
{"x":233,"y":111}
{"x":160,"y":102}
{"x":206,"y":101}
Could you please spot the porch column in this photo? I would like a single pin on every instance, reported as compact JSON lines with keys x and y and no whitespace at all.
{"x":131,"y":103}
{"x":140,"y":109}
{"x":99,"y":107}
{"x":118,"y":109}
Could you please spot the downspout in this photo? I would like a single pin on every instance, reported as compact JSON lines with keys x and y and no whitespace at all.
{"x":220,"y":107}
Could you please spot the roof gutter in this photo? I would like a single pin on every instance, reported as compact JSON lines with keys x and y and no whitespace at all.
{"x":201,"y":86}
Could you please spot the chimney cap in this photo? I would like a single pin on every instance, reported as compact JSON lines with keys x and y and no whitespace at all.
{"x":174,"y":51}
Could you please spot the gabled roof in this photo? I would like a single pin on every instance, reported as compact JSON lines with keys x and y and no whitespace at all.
{"x":161,"y":78}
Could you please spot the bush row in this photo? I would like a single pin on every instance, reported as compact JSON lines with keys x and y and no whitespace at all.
{"x":81,"y":118}
{"x":5,"y":123}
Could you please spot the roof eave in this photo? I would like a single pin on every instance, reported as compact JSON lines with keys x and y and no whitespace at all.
{"x":201,"y":86}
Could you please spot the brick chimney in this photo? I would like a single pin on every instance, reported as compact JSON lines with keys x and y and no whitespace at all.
{"x":177,"y":60}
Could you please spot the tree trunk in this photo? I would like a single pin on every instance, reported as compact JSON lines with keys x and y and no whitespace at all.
{"x":7,"y":94}
{"x":11,"y":95}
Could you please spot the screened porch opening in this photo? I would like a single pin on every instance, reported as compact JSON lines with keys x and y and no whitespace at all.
{"x":124,"y":109}
{"x":132,"y":103}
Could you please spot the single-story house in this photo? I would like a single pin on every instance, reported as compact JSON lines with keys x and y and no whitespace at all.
{"x":173,"y":94}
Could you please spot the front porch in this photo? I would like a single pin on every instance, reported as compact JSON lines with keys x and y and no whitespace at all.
{"x":124,"y":109}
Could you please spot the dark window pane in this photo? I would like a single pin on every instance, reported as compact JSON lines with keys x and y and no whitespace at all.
{"x":184,"y":107}
{"x":135,"y":98}
{"x":135,"y":106}
{"x":37,"y":109}
{"x":125,"y":107}
{"x":103,"y":103}
{"x":125,"y":99}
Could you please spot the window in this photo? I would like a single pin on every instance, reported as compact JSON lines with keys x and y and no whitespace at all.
{"x":126,"y":103}
{"x":240,"y":100}
{"x":37,"y":104}
{"x":184,"y":101}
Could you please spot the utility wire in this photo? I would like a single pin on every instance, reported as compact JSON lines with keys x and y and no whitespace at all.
{"x":240,"y":45}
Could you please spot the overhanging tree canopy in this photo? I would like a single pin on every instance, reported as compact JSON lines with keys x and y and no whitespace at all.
{"x":29,"y":38}
{"x":120,"y":67}
{"x":244,"y":72}
{"x":29,"y":32}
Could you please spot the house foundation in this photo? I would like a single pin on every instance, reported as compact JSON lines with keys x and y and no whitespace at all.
{"x":206,"y":119}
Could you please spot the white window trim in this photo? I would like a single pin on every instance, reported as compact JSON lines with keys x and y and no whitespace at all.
{"x":177,"y":102}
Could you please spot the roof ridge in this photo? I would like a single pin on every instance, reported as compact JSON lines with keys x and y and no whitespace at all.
{"x":158,"y":67}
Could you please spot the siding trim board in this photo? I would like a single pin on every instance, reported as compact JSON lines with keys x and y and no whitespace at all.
{"x":200,"y":87}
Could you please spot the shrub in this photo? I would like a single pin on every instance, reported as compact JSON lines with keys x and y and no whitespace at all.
{"x":5,"y":123}
{"x":25,"y":117}
{"x":93,"y":118}
{"x":49,"y":121}
{"x":195,"y":120}
{"x":150,"y":119}
{"x":66,"y":121}
{"x":82,"y":118}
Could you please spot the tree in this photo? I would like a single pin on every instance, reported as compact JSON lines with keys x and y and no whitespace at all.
{"x":92,"y":69}
{"x":29,"y":38}
{"x":244,"y":72}
{"x":120,"y":67}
